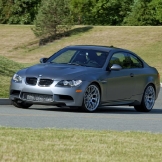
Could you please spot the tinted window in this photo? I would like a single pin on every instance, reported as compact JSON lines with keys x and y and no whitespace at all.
{"x":84,"y":57}
{"x":125,"y":60}
{"x":121,"y":59}
{"x":135,"y":62}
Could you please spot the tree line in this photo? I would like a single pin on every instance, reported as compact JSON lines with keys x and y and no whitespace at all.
{"x":53,"y":19}
{"x":87,"y":12}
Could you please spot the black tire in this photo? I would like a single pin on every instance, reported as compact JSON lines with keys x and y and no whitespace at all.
{"x":91,"y":98}
{"x":22,"y":104}
{"x":148,"y":99}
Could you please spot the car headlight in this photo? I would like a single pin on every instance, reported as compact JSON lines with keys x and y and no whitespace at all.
{"x":69,"y":83}
{"x":17,"y":78}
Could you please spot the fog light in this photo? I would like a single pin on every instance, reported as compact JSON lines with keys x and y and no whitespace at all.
{"x":78,"y":90}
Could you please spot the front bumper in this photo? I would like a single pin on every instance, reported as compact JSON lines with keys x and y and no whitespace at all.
{"x":69,"y":96}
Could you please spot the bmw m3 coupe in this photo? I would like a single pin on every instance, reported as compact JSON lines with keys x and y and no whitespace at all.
{"x":87,"y":76}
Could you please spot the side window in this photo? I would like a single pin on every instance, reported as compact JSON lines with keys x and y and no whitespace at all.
{"x":121,"y":59}
{"x":117,"y":58}
{"x":135,"y":62}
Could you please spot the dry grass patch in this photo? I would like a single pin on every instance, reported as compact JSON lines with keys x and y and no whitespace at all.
{"x":18,"y":43}
{"x":16,"y":39}
{"x":78,"y":145}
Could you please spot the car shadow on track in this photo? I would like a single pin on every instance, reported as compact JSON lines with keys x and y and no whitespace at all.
{"x":105,"y":110}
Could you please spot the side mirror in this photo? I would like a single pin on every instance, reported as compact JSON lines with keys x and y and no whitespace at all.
{"x":116,"y":67}
{"x":43,"y":60}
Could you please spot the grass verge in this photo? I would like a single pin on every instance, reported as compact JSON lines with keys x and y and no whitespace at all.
{"x":78,"y":145}
{"x":7,"y":69}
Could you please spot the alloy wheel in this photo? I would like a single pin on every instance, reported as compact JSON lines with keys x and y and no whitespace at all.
{"x":91,"y":98}
{"x":149,"y":97}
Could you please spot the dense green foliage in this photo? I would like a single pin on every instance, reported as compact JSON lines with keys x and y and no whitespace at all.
{"x":53,"y":19}
{"x":145,"y":12}
{"x":100,"y":12}
{"x":18,"y":11}
{"x":91,"y":12}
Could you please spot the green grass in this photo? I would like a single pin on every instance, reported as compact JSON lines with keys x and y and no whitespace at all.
{"x":26,"y":145}
{"x":7,"y":69}
{"x":19,"y":44}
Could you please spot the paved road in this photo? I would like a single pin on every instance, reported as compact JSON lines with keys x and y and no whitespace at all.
{"x":107,"y":118}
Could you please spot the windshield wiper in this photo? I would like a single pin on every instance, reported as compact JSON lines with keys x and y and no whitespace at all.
{"x":53,"y":62}
{"x":77,"y":64}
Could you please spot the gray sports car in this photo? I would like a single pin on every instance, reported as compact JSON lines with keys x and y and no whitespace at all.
{"x":86,"y":77}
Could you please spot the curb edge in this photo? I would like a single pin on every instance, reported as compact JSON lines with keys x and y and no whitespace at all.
{"x":5,"y":101}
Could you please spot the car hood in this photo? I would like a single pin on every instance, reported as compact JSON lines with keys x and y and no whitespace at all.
{"x":57,"y":71}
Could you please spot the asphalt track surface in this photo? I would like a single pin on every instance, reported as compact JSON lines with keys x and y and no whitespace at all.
{"x":105,"y":118}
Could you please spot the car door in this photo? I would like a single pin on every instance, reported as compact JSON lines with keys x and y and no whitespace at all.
{"x":138,"y":72}
{"x":120,"y":83}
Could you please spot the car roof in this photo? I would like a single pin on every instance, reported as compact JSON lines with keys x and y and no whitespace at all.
{"x":98,"y":47}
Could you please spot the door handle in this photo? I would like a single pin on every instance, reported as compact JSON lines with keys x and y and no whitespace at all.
{"x":103,"y":81}
{"x":131,"y":75}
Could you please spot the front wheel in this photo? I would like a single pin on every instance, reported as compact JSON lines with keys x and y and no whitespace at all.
{"x":91,"y":99}
{"x":22,"y":104}
{"x":148,"y":100}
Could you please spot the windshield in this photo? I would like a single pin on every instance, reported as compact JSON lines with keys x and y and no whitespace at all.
{"x":82,"y":57}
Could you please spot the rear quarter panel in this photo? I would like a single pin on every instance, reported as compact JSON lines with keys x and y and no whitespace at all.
{"x":144,"y":77}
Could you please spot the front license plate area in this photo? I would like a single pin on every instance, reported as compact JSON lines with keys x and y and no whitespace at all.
{"x":37,"y":97}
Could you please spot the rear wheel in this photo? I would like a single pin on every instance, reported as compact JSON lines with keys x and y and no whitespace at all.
{"x":22,"y":104}
{"x":148,"y":100}
{"x":91,"y":99}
